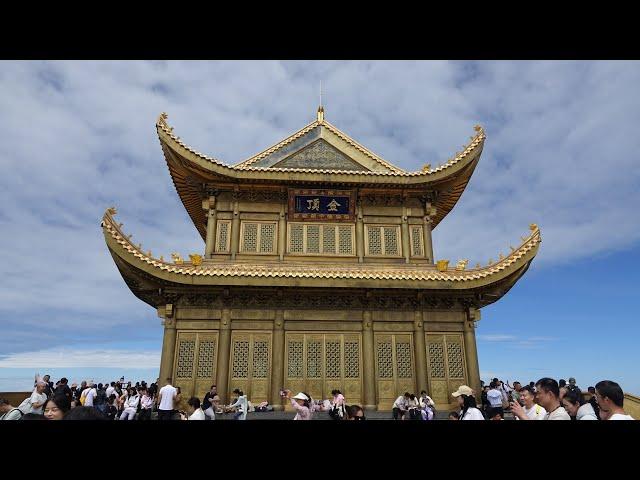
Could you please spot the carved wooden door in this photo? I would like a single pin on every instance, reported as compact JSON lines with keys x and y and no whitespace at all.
{"x":395,"y":373}
{"x":250,"y":365}
{"x":446,"y":367}
{"x":195,"y":362}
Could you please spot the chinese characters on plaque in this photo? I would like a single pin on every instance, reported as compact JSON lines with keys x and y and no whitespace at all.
{"x":335,"y":205}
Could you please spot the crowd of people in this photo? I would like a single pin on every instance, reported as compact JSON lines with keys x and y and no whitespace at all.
{"x":546,"y":399}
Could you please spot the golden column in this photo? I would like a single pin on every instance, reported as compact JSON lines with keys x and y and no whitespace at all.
{"x":470,"y":350}
{"x":168,"y":344}
{"x":211,"y":226}
{"x":235,"y":226}
{"x":404,"y":230}
{"x":429,"y":213}
{"x":223,"y":355}
{"x":369,"y":371}
{"x":420,"y":351}
{"x":282,"y":230}
{"x":360,"y":233}
{"x":277,"y":365}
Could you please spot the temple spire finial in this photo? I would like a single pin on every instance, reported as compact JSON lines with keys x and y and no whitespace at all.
{"x":320,"y":108}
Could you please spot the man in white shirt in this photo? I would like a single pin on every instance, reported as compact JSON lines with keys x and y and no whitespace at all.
{"x":531,"y":409}
{"x":89,"y":394}
{"x":547,"y":395}
{"x":166,"y":398}
{"x":196,"y":412}
{"x":38,"y":397}
{"x":111,"y":389}
{"x":495,"y":396}
{"x":610,"y":398}
{"x":400,"y":406}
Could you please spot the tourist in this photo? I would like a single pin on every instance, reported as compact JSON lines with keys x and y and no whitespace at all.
{"x":196,"y":413}
{"x":562,"y":392}
{"x":495,"y":396}
{"x":131,"y":404}
{"x":211,"y":403}
{"x":577,"y":408}
{"x":112,"y":407}
{"x":531,"y":409}
{"x":121,"y":399}
{"x":240,"y":405}
{"x":413,"y":408}
{"x":77,"y":391}
{"x":63,"y":389}
{"x":400,"y":406}
{"x":547,"y":395}
{"x":610,"y":398}
{"x":111,"y":389}
{"x":88,"y":394}
{"x":467,"y":403}
{"x":593,"y":401}
{"x":301,"y":403}
{"x":562,"y":383}
{"x":427,"y":406}
{"x":166,"y":399}
{"x":181,"y":404}
{"x":337,"y":410}
{"x":84,"y":413}
{"x":35,"y":402}
{"x":100,"y":402}
{"x":8,"y":411}
{"x":146,"y":404}
{"x":572,"y":387}
{"x":56,"y":407}
{"x":484,"y":399}
{"x":453,"y":416}
{"x":355,"y":412}
{"x":515,"y":393}
{"x":495,"y":414}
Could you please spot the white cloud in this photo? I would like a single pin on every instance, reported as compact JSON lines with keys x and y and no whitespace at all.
{"x":77,"y":137}
{"x":82,"y":358}
{"x":496,"y":338}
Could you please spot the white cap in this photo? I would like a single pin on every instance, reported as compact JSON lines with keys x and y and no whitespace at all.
{"x":301,"y":396}
{"x":463,"y":390}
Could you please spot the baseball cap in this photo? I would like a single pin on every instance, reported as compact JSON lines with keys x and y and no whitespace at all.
{"x":463,"y":390}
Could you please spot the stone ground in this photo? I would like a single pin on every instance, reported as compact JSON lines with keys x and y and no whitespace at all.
{"x":325,"y":416}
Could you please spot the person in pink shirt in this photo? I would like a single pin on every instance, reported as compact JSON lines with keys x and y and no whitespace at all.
{"x":301,"y":403}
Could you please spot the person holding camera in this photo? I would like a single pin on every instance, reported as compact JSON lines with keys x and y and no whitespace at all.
{"x":241,"y":405}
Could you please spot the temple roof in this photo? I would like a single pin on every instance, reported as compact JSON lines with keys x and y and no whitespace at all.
{"x":317,"y":154}
{"x":417,"y":276}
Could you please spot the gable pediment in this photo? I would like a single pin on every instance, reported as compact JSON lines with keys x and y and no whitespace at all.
{"x":320,"y":155}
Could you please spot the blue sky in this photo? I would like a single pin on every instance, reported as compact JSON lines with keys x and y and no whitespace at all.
{"x":561,"y":151}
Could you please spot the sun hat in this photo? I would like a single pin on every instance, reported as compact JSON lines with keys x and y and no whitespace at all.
{"x":463,"y":390}
{"x":301,"y":396}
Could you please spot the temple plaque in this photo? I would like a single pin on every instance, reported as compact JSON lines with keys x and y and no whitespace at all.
{"x":322,"y":205}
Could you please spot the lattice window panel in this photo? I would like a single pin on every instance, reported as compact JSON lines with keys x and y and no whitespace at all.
{"x":383,"y":240}
{"x":206,"y":357}
{"x":223,"y":236}
{"x":345,"y":241}
{"x":403,"y":360}
{"x":385,"y":360}
{"x":240,"y":364}
{"x":417,"y":244}
{"x":374,"y":236}
{"x":267,"y":237}
{"x":260,"y":359}
{"x":455,"y":360}
{"x":249,"y":237}
{"x":314,"y":359}
{"x":436,"y":360}
{"x":333,"y":359}
{"x":186,"y":351}
{"x":296,"y":238}
{"x":313,"y":238}
{"x":295,"y":359}
{"x":351,"y":359}
{"x":321,"y":239}
{"x":391,"y":244}
{"x":328,"y":239}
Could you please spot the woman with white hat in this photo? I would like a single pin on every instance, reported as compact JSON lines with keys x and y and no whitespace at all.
{"x":302,"y":404}
{"x":467,"y":402}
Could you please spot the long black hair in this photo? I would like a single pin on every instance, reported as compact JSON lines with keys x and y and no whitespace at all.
{"x":468,"y":402}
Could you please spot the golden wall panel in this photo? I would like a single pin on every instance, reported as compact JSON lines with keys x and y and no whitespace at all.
{"x":250,"y":364}
{"x":395,"y":367}
{"x":195,"y":362}
{"x":446,"y":366}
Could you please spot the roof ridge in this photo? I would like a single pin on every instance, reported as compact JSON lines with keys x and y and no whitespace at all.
{"x":246,"y":165}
